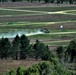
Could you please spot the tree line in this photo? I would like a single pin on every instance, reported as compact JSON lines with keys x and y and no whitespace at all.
{"x":60,"y":1}
{"x":68,"y":53}
{"x":20,"y":48}
{"x":46,"y":1}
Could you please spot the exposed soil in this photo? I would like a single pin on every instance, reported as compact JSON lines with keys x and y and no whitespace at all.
{"x":6,"y":65}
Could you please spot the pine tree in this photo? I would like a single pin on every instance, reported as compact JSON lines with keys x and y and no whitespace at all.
{"x":24,"y":44}
{"x":37,"y":49}
{"x":71,"y":50}
{"x":60,"y":53}
{"x":30,"y":51}
{"x":5,"y":48}
{"x":41,"y":51}
{"x":15,"y":47}
{"x":46,"y":1}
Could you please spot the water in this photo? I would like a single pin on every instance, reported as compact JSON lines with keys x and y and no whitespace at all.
{"x":12,"y":34}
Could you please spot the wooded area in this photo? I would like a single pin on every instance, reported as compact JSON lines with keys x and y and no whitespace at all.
{"x":20,"y":48}
{"x":45,"y":1}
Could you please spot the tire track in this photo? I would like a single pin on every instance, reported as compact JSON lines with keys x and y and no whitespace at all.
{"x":41,"y":12}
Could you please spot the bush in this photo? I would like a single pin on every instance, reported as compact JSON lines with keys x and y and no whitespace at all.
{"x":20,"y":71}
{"x":42,"y":68}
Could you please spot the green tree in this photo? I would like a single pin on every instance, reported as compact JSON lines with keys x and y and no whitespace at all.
{"x":20,"y":71}
{"x":30,"y":51}
{"x":61,"y":1}
{"x":58,"y":1}
{"x":44,"y":68}
{"x":45,"y":52}
{"x":71,"y":1}
{"x":12,"y":72}
{"x":13,"y":0}
{"x":28,"y":0}
{"x":60,"y":53}
{"x":52,"y":1}
{"x":46,"y":1}
{"x":31,"y":1}
{"x":33,"y":70}
{"x":71,"y":50}
{"x":37,"y":49}
{"x":16,"y":47}
{"x":41,"y":51}
{"x":5,"y":48}
{"x":24,"y":44}
{"x":39,"y":0}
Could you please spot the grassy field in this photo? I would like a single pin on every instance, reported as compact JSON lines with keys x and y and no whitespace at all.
{"x":27,"y":19}
{"x":48,"y":9}
{"x":34,"y":18}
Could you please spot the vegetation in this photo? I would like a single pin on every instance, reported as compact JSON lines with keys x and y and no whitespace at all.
{"x":71,"y":50}
{"x":60,"y":53}
{"x":43,"y":68}
{"x":49,"y":8}
{"x":41,"y":51}
{"x":5,"y":48}
{"x":15,"y":47}
{"x":27,"y":26}
{"x":67,"y":54}
{"x":46,"y":1}
{"x":21,"y":48}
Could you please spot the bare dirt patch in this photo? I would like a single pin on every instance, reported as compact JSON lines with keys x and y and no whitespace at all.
{"x":6,"y":65}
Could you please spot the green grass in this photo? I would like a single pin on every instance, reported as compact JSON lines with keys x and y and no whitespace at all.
{"x":74,"y":12}
{"x":56,"y":43}
{"x":38,"y":16}
{"x":49,"y":9}
{"x":53,"y":36}
{"x":53,"y":40}
{"x":14,"y":30}
{"x":38,"y":25}
{"x":16,"y":13}
{"x":37,"y":20}
{"x":52,"y":43}
{"x":54,"y":18}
